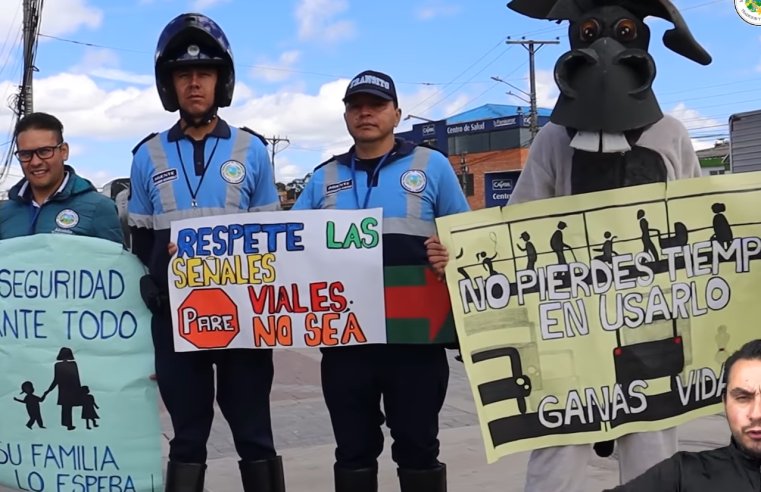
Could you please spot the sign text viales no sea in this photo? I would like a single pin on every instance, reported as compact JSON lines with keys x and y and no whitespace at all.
{"x":311,"y":278}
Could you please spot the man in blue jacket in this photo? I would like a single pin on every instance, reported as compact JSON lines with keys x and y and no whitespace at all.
{"x":202,"y":167}
{"x":51,"y":198}
{"x":414,"y":185}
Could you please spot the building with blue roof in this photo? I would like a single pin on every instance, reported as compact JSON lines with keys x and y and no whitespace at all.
{"x":491,"y":111}
{"x":487,"y":147}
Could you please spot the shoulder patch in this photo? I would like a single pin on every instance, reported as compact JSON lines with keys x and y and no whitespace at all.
{"x":429,"y":146}
{"x":257,"y":135}
{"x":141,"y":142}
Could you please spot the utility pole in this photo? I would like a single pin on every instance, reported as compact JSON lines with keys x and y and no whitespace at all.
{"x":30,"y":39}
{"x":274,"y":141}
{"x":531,"y":46}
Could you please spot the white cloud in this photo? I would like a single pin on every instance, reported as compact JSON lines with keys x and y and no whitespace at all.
{"x":316,"y":19}
{"x":286,"y":171}
{"x":311,"y":121}
{"x":59,"y":17}
{"x":547,"y":95}
{"x":65,"y":16}
{"x":76,"y":150}
{"x":276,"y":71}
{"x":122,"y":76}
{"x":458,"y":105}
{"x":99,"y":178}
{"x":436,"y":8}
{"x":546,"y":91}
{"x":207,"y":4}
{"x":697,"y":123}
{"x":104,"y":63}
{"x":693,"y":120}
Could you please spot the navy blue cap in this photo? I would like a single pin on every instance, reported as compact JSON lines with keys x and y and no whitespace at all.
{"x":375,"y":83}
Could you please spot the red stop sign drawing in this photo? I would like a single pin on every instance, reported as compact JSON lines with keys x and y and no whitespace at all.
{"x":208,"y":319}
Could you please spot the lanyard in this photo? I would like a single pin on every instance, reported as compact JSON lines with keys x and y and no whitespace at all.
{"x":193,"y":194}
{"x":372,"y":179}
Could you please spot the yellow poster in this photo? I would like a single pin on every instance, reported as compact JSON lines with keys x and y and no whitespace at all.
{"x":585,"y":318}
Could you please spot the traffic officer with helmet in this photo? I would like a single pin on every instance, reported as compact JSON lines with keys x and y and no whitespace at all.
{"x":202,"y":167}
{"x":413,"y":184}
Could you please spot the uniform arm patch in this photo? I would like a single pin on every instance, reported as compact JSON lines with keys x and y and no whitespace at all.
{"x":164,"y":177}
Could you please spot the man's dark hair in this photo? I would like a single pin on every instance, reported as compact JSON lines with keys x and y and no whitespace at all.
{"x":749,"y":351}
{"x":40,"y":121}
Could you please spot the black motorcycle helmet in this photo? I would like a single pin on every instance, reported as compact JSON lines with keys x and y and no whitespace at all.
{"x":194,"y":39}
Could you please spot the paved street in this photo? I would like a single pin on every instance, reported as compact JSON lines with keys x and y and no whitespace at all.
{"x":303,"y":436}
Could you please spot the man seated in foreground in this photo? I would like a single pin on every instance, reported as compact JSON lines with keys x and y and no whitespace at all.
{"x":733,"y":468}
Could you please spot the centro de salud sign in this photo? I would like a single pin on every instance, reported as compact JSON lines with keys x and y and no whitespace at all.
{"x":478,"y":126}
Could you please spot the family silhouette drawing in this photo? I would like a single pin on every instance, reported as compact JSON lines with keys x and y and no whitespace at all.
{"x":71,"y":394}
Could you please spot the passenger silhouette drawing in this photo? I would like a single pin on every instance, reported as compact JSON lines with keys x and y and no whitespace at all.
{"x":607,"y":249}
{"x":530,"y":251}
{"x":647,"y":231}
{"x":66,"y":379}
{"x":461,"y":271}
{"x":722,"y":231}
{"x":32,"y":403}
{"x":88,"y":408}
{"x":486,"y":261}
{"x":559,"y":246}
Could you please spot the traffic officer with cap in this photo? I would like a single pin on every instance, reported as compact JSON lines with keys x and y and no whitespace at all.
{"x":202,"y":167}
{"x":414,"y":185}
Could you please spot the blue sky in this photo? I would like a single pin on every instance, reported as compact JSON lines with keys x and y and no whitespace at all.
{"x":294,"y":58}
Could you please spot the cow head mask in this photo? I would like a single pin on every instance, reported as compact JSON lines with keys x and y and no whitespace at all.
{"x":605,"y":80}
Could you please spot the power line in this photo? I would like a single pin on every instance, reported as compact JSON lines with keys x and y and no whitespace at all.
{"x":458,"y":76}
{"x":462,"y":84}
{"x":564,"y":28}
{"x":479,"y":96}
{"x":551,"y":29}
{"x":7,"y":38}
{"x":260,"y":67}
{"x":323,"y":148}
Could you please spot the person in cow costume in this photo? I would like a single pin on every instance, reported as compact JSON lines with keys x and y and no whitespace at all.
{"x":606,"y":131}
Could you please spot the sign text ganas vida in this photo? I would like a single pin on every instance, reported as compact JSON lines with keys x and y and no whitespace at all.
{"x":207,"y":257}
{"x":562,"y":290}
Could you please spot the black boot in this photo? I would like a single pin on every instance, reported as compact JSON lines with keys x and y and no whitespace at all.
{"x":363,"y":480}
{"x":263,"y":475}
{"x":605,"y":448}
{"x":434,"y":480}
{"x":185,"y":477}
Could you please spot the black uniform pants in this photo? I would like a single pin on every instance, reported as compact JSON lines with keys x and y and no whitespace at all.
{"x":186,"y":383}
{"x":413,"y":381}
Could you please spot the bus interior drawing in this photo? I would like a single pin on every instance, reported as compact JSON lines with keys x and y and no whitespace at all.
{"x":515,"y":387}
